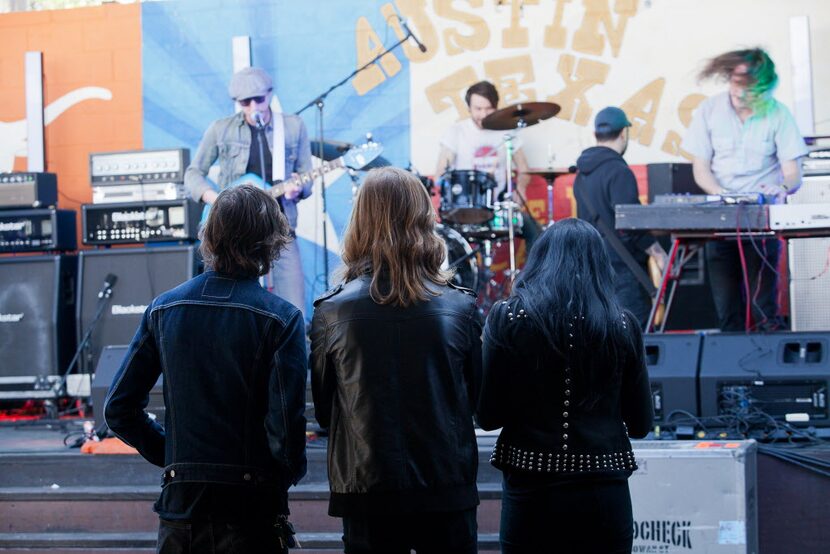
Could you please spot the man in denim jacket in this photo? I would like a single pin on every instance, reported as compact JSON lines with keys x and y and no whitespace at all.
{"x":234,"y":362}
{"x":244,"y":143}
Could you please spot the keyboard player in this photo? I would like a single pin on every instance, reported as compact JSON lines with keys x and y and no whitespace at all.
{"x":744,"y":141}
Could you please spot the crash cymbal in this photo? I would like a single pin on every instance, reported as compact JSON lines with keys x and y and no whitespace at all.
{"x":520,"y":115}
{"x":333,"y":149}
{"x":550,"y":172}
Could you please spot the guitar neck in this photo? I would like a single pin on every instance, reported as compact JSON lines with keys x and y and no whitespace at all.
{"x":304,"y":178}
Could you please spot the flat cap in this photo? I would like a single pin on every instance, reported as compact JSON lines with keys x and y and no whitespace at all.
{"x":249,"y":82}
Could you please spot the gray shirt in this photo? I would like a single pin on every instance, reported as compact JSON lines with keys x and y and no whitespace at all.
{"x":228,"y":140}
{"x":743,"y":155}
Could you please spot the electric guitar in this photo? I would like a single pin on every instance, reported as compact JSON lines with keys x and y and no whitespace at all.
{"x":357,"y":157}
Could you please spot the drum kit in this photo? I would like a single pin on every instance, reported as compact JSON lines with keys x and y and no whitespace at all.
{"x":474,"y":221}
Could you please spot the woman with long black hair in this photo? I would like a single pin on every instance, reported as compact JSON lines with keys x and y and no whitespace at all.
{"x":565,"y":379}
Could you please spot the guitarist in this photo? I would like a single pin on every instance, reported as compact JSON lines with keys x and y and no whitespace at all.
{"x":605,"y":180}
{"x":269,"y":144}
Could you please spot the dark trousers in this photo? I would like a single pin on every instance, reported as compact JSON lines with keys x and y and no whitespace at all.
{"x":586,"y":517}
{"x":726,"y":277}
{"x":425,"y":532}
{"x":630,"y":293}
{"x":207,"y":537}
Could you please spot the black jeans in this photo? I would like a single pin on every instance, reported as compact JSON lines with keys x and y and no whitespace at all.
{"x":425,"y":532}
{"x":585,"y":517}
{"x":207,"y":537}
{"x":727,"y":280}
{"x":630,"y":293}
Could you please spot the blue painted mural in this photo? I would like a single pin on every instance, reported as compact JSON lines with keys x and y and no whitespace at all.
{"x":306,"y":47}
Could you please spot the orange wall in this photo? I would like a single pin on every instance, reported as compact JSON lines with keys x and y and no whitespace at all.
{"x":89,"y":47}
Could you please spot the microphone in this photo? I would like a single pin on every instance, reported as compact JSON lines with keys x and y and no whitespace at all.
{"x":106,"y":290}
{"x":420,"y":44}
{"x":258,"y":120}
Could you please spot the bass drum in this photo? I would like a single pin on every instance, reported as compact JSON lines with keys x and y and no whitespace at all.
{"x":459,"y":256}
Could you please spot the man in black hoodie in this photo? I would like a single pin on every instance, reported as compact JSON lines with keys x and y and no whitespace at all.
{"x":605,"y":180}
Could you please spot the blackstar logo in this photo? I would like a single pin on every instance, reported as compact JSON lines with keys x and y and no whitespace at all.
{"x":132,"y":309}
{"x":667,"y":532}
{"x":122,"y":217}
{"x":15,"y":225}
{"x":10,"y":318}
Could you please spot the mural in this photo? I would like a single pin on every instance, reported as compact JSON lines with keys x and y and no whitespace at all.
{"x":155,"y":75}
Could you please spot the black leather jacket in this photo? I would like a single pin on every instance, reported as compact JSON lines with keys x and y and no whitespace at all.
{"x":530,"y":391}
{"x":397,"y":388}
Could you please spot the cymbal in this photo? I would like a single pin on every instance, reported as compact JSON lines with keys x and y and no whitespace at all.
{"x":550,"y":172}
{"x":333,"y":149}
{"x":520,"y":115}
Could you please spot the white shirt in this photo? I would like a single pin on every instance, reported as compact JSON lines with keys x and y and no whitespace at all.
{"x":743,"y":155}
{"x":480,"y":149}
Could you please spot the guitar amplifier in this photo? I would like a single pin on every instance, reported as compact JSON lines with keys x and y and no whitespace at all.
{"x":138,"y":166}
{"x":28,"y":190}
{"x":141,"y":222}
{"x":149,"y":192}
{"x":37,"y":230}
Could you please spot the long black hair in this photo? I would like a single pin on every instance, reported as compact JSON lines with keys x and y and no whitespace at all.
{"x":567,"y":291}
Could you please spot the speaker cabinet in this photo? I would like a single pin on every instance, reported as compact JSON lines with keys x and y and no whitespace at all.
{"x":37,"y":331}
{"x":142,"y":274}
{"x":671,"y":178}
{"x":809,"y":278}
{"x":672,"y":362}
{"x":785,"y":375}
{"x":109,"y":362}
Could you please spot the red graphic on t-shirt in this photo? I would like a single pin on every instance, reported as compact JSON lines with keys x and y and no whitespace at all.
{"x":485,"y":158}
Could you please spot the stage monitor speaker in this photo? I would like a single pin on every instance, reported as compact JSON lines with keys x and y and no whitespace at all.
{"x":37,"y":330}
{"x":142,"y":274}
{"x":109,"y":363}
{"x":672,"y":362}
{"x":784,"y":375}
{"x":671,"y":178}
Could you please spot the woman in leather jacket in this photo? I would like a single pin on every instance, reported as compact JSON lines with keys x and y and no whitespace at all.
{"x":396,"y":363}
{"x":565,"y":379}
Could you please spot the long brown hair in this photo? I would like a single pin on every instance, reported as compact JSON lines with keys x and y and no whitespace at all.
{"x":244,"y":233}
{"x":391,"y":236}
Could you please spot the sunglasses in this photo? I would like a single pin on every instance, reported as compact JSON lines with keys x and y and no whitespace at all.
{"x":256,"y":99}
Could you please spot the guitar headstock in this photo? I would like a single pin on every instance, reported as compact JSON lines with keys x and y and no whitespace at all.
{"x":362,"y":155}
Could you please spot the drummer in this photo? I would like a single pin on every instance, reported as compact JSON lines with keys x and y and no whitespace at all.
{"x":467,"y":145}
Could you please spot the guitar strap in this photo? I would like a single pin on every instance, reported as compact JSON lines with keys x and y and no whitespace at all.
{"x":277,"y":147}
{"x":615,"y":242}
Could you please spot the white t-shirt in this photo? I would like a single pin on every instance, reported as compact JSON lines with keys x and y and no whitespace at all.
{"x":480,"y":149}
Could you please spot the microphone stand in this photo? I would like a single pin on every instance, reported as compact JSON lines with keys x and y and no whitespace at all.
{"x":103,"y":299}
{"x":319,"y":102}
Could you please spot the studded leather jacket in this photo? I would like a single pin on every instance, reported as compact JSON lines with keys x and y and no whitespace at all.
{"x":530,"y":392}
{"x":397,"y":389}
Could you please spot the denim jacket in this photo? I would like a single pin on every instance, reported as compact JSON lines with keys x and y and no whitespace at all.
{"x":234,"y":362}
{"x":229,"y":141}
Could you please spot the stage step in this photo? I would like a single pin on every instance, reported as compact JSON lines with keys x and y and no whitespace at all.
{"x":113,"y":511}
{"x":142,"y":543}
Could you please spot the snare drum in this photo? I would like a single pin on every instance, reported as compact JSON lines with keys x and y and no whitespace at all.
{"x":466,"y":196}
